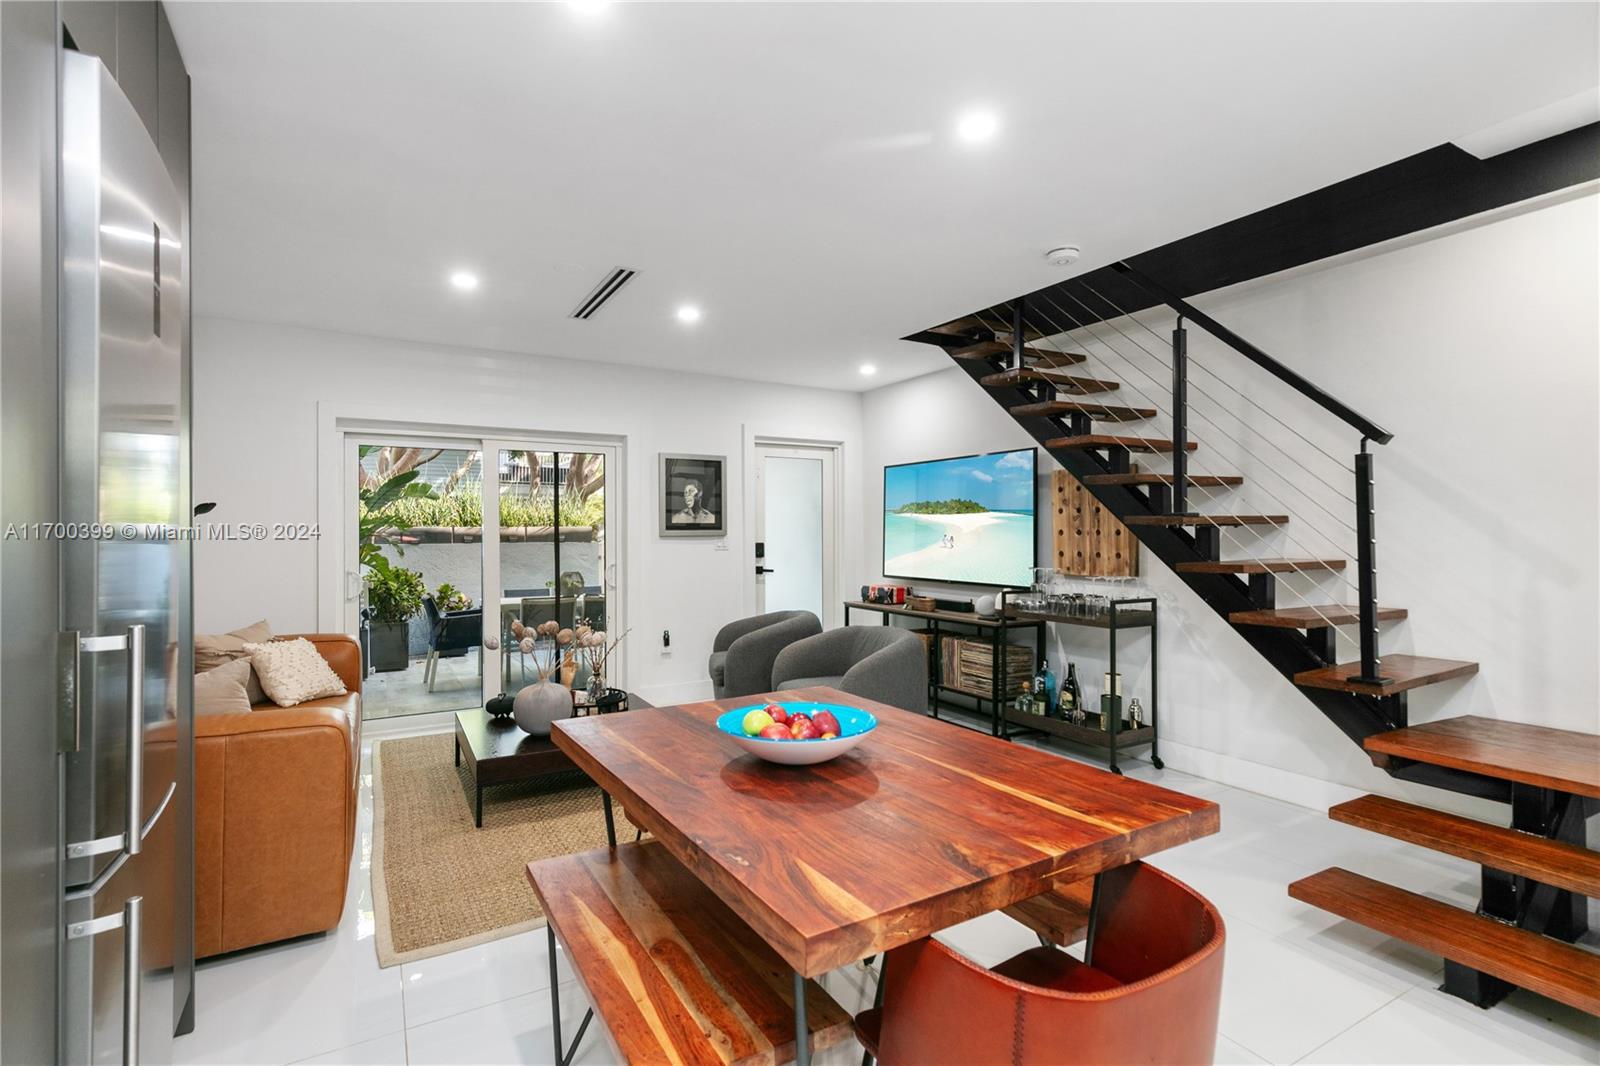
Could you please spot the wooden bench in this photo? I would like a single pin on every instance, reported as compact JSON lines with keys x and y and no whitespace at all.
{"x":673,"y":972}
{"x":1059,"y":916}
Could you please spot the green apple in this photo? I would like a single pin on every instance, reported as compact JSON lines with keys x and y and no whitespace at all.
{"x":755,"y":722}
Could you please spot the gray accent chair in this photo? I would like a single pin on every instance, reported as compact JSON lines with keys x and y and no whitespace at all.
{"x":876,"y":662}
{"x":744,"y":651}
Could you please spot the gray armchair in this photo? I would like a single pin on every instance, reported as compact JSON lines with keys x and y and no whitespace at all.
{"x":743,"y":653}
{"x":877,"y":662}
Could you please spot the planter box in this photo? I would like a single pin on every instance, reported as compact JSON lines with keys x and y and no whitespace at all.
{"x":390,"y":646}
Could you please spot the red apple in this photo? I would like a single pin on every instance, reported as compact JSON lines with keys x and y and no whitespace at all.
{"x":827,"y":723}
{"x":808,"y":731}
{"x":778,"y":714}
{"x":775,"y":732}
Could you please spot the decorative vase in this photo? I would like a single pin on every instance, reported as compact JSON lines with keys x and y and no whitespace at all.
{"x":537,"y":705}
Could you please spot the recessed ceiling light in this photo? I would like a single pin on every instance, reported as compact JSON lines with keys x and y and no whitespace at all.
{"x":688,"y":313}
{"x":975,"y":127}
{"x":588,"y":8}
{"x":465,"y":280}
{"x":867,"y":369}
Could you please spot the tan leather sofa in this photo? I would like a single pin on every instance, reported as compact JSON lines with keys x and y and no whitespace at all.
{"x":275,"y":813}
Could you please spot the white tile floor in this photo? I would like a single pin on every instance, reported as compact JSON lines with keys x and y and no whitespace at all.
{"x":1299,"y":984}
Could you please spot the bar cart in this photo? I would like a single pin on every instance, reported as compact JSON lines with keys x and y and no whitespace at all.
{"x":1119,"y":615}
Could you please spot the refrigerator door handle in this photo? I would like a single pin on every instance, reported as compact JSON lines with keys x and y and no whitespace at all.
{"x":128,"y":920}
{"x":131,"y":840}
{"x":135,"y":829}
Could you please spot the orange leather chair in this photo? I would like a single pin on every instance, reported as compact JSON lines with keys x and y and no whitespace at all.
{"x":275,"y":813}
{"x":1151,"y":994}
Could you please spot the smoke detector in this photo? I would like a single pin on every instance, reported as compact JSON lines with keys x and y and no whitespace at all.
{"x":1066,"y":255}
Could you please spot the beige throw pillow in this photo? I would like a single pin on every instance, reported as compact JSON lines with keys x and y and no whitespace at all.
{"x":222,"y":691}
{"x":211,"y":650}
{"x":293,"y":671}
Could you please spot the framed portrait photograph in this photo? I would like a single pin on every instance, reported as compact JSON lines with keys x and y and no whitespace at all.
{"x":693,"y":502}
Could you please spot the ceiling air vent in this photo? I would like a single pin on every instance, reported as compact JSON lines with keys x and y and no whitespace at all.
{"x":608,"y":287}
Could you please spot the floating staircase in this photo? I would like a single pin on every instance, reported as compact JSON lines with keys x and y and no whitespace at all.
{"x":1536,"y":874}
{"x":1533,"y":901}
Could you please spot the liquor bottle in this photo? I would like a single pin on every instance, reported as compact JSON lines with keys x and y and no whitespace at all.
{"x":1041,"y":700}
{"x":1024,"y":702}
{"x":1071,"y":695}
{"x":1052,"y":707}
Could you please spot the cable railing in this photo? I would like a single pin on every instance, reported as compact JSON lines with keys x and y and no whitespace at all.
{"x":1224,"y":532}
{"x":1244,"y":447}
{"x":1162,"y":408}
{"x":1026,"y":313}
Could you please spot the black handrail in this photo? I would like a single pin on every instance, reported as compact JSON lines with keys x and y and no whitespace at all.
{"x":1363,"y":424}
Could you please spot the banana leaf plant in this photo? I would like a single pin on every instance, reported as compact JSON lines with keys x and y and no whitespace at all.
{"x":373,"y":522}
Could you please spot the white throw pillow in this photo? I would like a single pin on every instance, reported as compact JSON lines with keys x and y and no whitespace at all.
{"x":293,"y":671}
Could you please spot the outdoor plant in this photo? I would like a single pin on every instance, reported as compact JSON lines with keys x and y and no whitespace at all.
{"x":450,"y":598}
{"x":394,"y":593}
{"x":377,"y":516}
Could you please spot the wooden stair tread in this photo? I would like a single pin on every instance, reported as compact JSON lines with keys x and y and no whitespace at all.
{"x":1100,"y":412}
{"x":1060,"y":915}
{"x":1108,"y":440}
{"x":1404,"y":672}
{"x":1535,"y":755}
{"x":670,"y":969}
{"x":1210,"y":481}
{"x":975,"y":324}
{"x":1541,"y":964}
{"x":1031,"y":357}
{"x":1550,"y":862}
{"x":1062,"y":382}
{"x":1332,"y":614}
{"x":1206,"y":520}
{"x":1260,"y":566}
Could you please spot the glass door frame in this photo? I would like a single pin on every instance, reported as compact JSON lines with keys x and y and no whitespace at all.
{"x":350,"y":455}
{"x":612,"y":538}
{"x":489,"y":442}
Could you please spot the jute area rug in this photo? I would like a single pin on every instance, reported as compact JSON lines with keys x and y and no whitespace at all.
{"x":440,"y":885}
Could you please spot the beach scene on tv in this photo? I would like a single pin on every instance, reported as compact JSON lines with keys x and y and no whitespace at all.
{"x":967,"y":520}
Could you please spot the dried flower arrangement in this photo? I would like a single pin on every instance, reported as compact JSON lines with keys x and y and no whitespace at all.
{"x":594,"y":648}
{"x":543,"y":643}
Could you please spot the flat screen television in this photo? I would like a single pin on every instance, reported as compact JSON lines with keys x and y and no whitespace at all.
{"x":967,"y":521}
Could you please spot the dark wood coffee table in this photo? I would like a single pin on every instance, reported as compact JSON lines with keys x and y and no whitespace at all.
{"x":499,"y":753}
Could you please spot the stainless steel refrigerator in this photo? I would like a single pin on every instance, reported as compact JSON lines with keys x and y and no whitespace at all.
{"x":123,"y":557}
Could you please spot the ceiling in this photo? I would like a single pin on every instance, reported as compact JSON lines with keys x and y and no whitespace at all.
{"x":791,"y":169}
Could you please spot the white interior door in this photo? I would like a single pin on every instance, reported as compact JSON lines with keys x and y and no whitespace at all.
{"x":795,"y":530}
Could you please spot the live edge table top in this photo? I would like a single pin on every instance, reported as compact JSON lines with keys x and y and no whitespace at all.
{"x":921,"y":826}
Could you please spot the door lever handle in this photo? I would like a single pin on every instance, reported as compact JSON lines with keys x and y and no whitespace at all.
{"x":764,"y":570}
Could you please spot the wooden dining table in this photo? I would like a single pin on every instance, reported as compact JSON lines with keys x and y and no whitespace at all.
{"x":921,"y":826}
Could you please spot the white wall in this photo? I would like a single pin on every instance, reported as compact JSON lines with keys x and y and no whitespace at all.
{"x":256,"y":396}
{"x":1478,"y":348}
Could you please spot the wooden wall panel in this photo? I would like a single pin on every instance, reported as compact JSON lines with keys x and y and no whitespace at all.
{"x":1088,"y":541}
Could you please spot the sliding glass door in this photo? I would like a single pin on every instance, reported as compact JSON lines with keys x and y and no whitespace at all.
{"x":456,"y":539}
{"x":420,"y":566}
{"x":553,"y":563}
